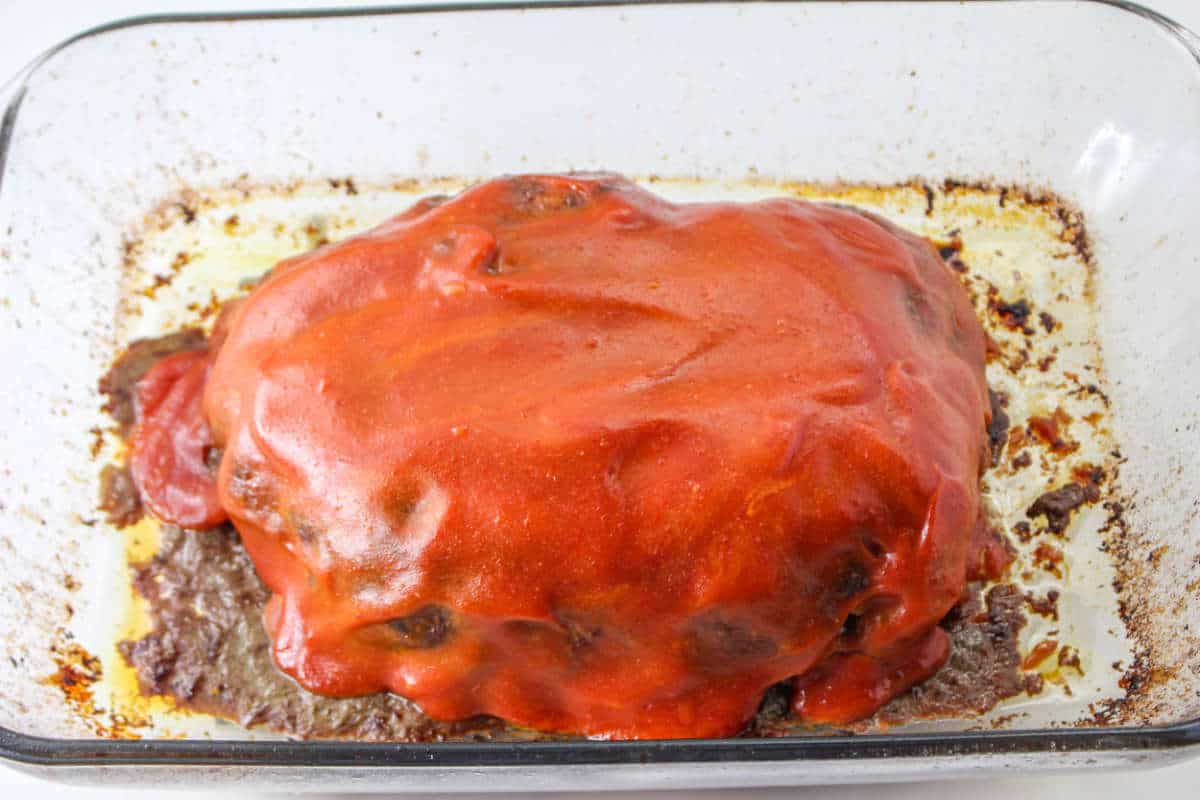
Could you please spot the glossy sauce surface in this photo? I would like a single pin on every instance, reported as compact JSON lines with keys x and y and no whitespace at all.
{"x":562,"y":452}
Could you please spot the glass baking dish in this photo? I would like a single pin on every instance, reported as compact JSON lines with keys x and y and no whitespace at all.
{"x":1096,"y":101}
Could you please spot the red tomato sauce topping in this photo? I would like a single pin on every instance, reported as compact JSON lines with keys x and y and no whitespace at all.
{"x":563,"y":452}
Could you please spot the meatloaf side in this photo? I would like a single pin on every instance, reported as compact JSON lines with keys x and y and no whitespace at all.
{"x":565,"y":452}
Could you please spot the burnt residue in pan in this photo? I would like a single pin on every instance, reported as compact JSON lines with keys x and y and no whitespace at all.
{"x":1150,"y":668}
{"x":1058,"y":505}
{"x":76,"y":674}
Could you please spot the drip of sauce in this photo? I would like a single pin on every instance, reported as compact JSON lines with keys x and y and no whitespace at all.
{"x":562,"y":452}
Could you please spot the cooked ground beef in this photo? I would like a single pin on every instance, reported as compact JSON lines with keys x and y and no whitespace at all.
{"x":997,"y":429}
{"x":1058,"y":505}
{"x":209,"y":651}
{"x":984,"y":665}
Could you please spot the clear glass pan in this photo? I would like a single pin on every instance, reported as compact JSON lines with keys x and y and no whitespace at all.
{"x":1097,"y":101}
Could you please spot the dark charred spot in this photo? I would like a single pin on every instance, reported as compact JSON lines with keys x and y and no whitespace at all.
{"x":872,"y":611}
{"x":212,"y":458}
{"x":188,"y":213}
{"x":1022,"y":460}
{"x":425,"y":628}
{"x":1058,"y":505}
{"x":951,"y":247}
{"x":928,"y":199}
{"x":1073,"y":232}
{"x":874,"y":547}
{"x":773,"y":710}
{"x":851,"y":628}
{"x":997,"y":429}
{"x":1093,"y":389}
{"x":1013,"y":315}
{"x":1023,"y":530}
{"x":854,"y":579}
{"x":1048,"y":321}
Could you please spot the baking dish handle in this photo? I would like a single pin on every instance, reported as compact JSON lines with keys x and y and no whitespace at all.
{"x":1187,"y":37}
{"x":12,"y":92}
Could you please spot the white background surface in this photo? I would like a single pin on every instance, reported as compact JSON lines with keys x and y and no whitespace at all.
{"x":29,"y":26}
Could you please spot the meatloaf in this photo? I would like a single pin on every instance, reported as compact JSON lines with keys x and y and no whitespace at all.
{"x":563,"y":453}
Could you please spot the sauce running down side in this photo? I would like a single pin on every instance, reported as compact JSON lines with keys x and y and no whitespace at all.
{"x":561,"y":452}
